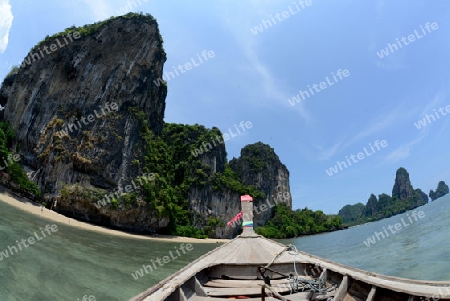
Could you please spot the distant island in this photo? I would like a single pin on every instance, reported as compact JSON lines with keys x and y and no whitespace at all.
{"x":288,"y":223}
{"x":404,"y":197}
{"x":441,"y":190}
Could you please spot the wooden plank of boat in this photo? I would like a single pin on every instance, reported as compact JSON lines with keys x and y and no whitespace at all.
{"x":304,"y":296}
{"x":197,"y":298}
{"x":242,"y":291}
{"x":372,"y":293}
{"x":199,"y":289}
{"x":342,"y":291}
{"x":242,"y":283}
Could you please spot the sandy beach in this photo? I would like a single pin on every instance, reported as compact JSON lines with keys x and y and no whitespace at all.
{"x":6,"y":196}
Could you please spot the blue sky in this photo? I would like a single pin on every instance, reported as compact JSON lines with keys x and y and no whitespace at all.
{"x":253,"y":76}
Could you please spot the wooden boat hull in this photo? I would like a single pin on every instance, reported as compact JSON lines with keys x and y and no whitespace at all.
{"x":252,"y":267}
{"x":232,"y":272}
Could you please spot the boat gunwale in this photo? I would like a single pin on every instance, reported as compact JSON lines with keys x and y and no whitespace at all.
{"x":373,"y":274}
{"x":355,"y":273}
{"x":152,"y":289}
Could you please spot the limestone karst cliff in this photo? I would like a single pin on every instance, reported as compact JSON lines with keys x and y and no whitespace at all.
{"x":402,"y":189}
{"x":422,"y":197}
{"x":259,"y":165}
{"x":89,"y":124}
{"x":441,"y":190}
{"x":72,"y":110}
{"x":404,"y":198}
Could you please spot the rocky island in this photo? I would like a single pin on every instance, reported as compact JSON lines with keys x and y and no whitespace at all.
{"x":441,"y":190}
{"x":88,"y":125}
{"x":404,"y":197}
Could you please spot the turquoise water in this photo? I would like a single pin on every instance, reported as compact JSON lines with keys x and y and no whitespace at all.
{"x":72,"y":263}
{"x":419,"y":250}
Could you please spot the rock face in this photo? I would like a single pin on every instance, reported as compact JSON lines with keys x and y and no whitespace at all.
{"x":422,"y":197}
{"x":207,"y":202}
{"x":404,"y":198}
{"x":352,"y":213}
{"x":384,"y":200}
{"x":85,"y":79}
{"x":402,"y":189}
{"x":78,"y":114}
{"x":258,"y":165}
{"x":74,"y":111}
{"x":371,"y":206}
{"x":441,"y":190}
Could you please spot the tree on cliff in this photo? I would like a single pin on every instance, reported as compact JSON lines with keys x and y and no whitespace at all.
{"x":371,"y":206}
{"x":352,"y":214}
{"x":287,"y":223}
{"x":16,"y":177}
{"x":404,"y":198}
{"x":178,"y":170}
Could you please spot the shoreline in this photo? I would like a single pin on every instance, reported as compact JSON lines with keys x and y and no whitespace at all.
{"x":21,"y":203}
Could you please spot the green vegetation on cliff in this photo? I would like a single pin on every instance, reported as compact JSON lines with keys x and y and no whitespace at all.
{"x":376,"y":209}
{"x":14,"y":70}
{"x":287,"y":223}
{"x":170,"y":157}
{"x":88,"y":29}
{"x":16,"y":177}
{"x":404,"y":198}
{"x":441,"y":190}
{"x":255,"y":156}
{"x":352,"y":214}
{"x":230,"y":179}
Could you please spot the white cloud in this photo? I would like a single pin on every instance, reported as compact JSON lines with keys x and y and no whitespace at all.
{"x":399,"y":154}
{"x":403,"y":151}
{"x":237,"y":21}
{"x":378,"y":41}
{"x":383,"y":122}
{"x":99,"y":9}
{"x":326,"y":154}
{"x":6,"y":18}
{"x":390,"y":66}
{"x":438,"y":99}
